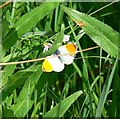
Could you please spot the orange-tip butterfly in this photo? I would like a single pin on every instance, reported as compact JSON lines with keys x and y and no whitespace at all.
{"x":56,"y":63}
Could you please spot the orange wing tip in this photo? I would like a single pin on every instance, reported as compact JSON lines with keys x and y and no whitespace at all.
{"x":71,"y":48}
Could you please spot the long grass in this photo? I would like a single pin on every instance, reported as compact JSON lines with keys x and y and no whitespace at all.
{"x":89,"y":87}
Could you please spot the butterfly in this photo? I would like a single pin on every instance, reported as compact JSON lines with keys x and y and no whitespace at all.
{"x":63,"y":55}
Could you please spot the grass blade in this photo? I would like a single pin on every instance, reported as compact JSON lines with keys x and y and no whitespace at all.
{"x":64,"y":105}
{"x":105,"y":91}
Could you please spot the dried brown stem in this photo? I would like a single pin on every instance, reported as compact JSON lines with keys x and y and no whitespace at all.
{"x":6,"y":3}
{"x":35,"y":60}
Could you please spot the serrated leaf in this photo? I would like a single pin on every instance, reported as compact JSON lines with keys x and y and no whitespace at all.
{"x":101,"y":33}
{"x":63,"y":106}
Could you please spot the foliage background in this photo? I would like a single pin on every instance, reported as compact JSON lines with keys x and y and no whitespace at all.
{"x":88,"y":87}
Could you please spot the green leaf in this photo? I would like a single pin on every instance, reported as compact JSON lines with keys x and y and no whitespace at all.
{"x":5,"y":27}
{"x":21,"y":108}
{"x":10,"y":40}
{"x":16,"y":80}
{"x":24,"y":102}
{"x":101,"y":33}
{"x":8,"y":71}
{"x":63,"y":106}
{"x":9,"y":56}
{"x":26,"y":22}
{"x":50,"y":51}
{"x":30,"y":19}
{"x":9,"y":100}
{"x":6,"y":112}
{"x":57,"y":43}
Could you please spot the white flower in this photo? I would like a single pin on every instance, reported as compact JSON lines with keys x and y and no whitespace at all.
{"x":66,"y":38}
{"x":47,"y":46}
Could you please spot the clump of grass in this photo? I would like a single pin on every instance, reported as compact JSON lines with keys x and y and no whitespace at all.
{"x":89,"y":87}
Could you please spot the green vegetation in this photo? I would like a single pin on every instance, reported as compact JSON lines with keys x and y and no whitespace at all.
{"x":89,"y":87}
